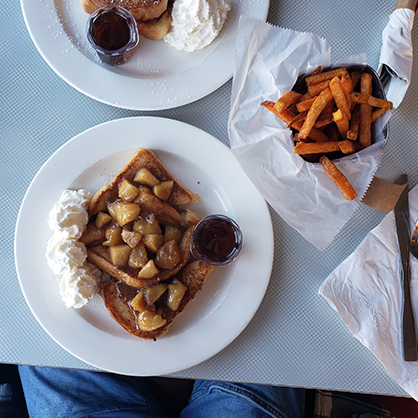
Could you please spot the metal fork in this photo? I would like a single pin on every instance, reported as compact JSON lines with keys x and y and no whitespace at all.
{"x":414,"y":241}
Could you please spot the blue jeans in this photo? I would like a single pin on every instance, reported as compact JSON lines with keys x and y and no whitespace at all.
{"x":70,"y":393}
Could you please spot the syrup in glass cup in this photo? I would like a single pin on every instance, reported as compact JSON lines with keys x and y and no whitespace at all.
{"x":113,"y":33}
{"x":217,"y":240}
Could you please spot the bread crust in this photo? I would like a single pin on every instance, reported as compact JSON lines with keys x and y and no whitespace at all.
{"x":140,"y":9}
{"x":143,"y":158}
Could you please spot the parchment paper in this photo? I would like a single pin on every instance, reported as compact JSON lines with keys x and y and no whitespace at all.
{"x":269,"y":60}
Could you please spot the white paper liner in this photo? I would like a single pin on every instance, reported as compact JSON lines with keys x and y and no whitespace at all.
{"x":269,"y":60}
{"x":397,"y":53}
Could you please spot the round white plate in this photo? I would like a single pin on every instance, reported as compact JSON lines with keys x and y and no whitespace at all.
{"x":157,"y":77}
{"x":229,"y":298}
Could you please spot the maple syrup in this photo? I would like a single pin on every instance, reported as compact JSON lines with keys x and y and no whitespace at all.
{"x":217,"y":240}
{"x":113,"y":33}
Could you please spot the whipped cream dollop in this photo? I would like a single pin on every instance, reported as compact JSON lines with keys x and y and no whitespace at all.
{"x":66,"y":256}
{"x":196,"y":23}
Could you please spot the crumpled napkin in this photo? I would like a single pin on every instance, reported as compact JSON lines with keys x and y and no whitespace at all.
{"x":366,"y":291}
{"x":396,"y":55}
{"x":269,"y":60}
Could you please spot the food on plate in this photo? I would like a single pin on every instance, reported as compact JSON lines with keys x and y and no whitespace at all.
{"x":196,"y":23}
{"x":156,"y":28}
{"x":329,"y":117}
{"x":153,"y":17}
{"x":148,"y":313}
{"x":140,"y":233}
{"x":140,"y":9}
{"x":66,"y":256}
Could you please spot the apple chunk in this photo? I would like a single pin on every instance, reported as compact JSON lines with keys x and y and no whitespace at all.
{"x":125,"y":212}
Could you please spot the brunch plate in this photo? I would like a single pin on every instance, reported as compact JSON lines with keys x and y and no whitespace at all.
{"x":230,"y":297}
{"x":157,"y":77}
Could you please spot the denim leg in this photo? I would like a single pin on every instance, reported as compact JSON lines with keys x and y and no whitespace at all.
{"x":229,"y":400}
{"x":70,"y":393}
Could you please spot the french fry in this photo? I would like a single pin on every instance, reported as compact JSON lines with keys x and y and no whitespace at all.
{"x":347,"y":146}
{"x":316,"y":147}
{"x":305,"y":105}
{"x":315,"y":89}
{"x":324,"y":120}
{"x":377,"y":113}
{"x":317,"y":70}
{"x":327,"y":75}
{"x":355,"y":78}
{"x":340,"y":96}
{"x":346,"y":84}
{"x":364,"y":135}
{"x":338,"y":178}
{"x":370,"y":100}
{"x":317,"y":106}
{"x":286,"y":100}
{"x":300,"y":117}
{"x":342,"y":123}
{"x":352,"y":132}
{"x":287,"y":116}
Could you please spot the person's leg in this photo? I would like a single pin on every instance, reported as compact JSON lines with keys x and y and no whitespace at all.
{"x":228,"y":400}
{"x":55,"y":392}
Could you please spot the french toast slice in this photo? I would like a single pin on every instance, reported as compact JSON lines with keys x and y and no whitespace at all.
{"x":157,"y":28}
{"x":134,"y":233}
{"x":143,"y":158}
{"x":99,"y":256}
{"x":140,"y":9}
{"x":117,"y":297}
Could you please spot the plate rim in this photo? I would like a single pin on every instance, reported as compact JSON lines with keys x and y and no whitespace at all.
{"x":219,"y":346}
{"x":72,"y":66}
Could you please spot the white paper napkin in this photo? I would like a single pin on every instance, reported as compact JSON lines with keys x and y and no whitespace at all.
{"x":269,"y":60}
{"x":366,"y":291}
{"x":396,"y":54}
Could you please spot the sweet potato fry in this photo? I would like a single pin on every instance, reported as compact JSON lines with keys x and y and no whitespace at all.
{"x":377,"y":113}
{"x":352,"y":132}
{"x":342,"y":123}
{"x":340,"y":96}
{"x":346,"y":84}
{"x":316,"y":147}
{"x":313,"y":114}
{"x":324,"y":120}
{"x":286,"y":100}
{"x":287,"y":116}
{"x":327,"y":75}
{"x":347,"y":146}
{"x":315,"y":89}
{"x":305,"y":105}
{"x":355,"y":78}
{"x":300,"y":117}
{"x":364,"y":135}
{"x":370,"y":100}
{"x":338,"y":178}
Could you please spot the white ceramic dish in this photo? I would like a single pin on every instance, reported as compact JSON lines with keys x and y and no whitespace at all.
{"x":157,"y":77}
{"x":229,"y":298}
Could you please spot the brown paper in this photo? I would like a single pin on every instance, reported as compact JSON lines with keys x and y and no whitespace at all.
{"x":407,"y":4}
{"x":383,"y":195}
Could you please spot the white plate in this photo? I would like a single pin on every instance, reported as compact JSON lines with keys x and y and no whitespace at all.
{"x":229,"y":298}
{"x":157,"y":77}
